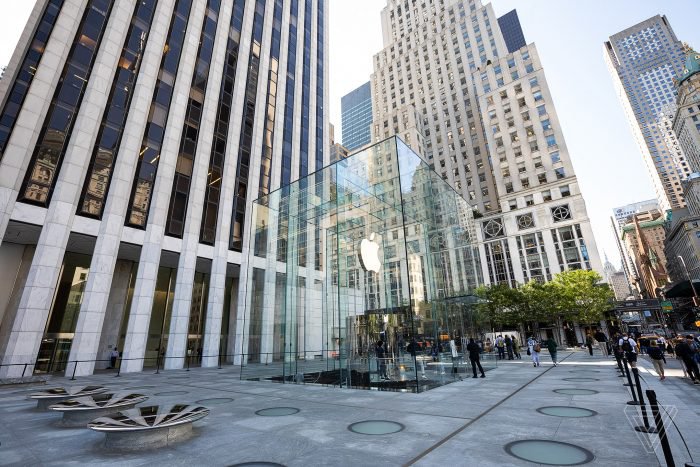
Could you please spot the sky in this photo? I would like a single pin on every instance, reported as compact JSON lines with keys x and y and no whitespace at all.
{"x":569,"y":35}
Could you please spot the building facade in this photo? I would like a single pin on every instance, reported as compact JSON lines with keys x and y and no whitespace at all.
{"x":643,"y":60}
{"x":356,"y":117}
{"x":134,"y":139}
{"x":512,"y":31}
{"x":617,"y":281}
{"x":683,"y":240}
{"x":337,"y":150}
{"x":644,"y":238}
{"x":686,"y":125}
{"x":622,"y":215}
{"x":485,"y":120}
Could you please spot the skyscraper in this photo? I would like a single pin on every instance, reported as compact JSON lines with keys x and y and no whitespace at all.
{"x":446,"y":83}
{"x":134,"y":137}
{"x":643,"y":61}
{"x":356,"y":117}
{"x":512,"y":31}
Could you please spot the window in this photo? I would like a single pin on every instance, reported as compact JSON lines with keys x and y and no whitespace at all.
{"x":546,"y":125}
{"x":546,"y":195}
{"x":529,"y":200}
{"x":537,"y":95}
{"x":509,"y":187}
{"x":511,"y":63}
{"x":533,"y":82}
{"x":565,"y":191}
{"x":561,"y":213}
{"x":541,"y":110}
{"x":551,"y":141}
{"x":555,"y":157}
{"x":560,"y":173}
{"x":525,"y":221}
{"x":513,"y":205}
{"x":542,"y":178}
{"x":525,"y":182}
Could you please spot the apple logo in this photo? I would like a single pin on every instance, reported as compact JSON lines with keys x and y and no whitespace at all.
{"x":369,"y":254}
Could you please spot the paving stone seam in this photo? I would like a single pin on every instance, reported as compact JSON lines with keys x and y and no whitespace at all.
{"x":477,"y":418}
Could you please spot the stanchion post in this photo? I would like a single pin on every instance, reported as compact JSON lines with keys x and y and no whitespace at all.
{"x":24,"y":369}
{"x":646,"y":428}
{"x":629,"y":383}
{"x":219,"y":360}
{"x":75,"y":367}
{"x":665,"y":446}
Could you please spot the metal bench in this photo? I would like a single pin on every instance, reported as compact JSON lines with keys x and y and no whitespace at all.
{"x":82,"y":410}
{"x":148,"y":427}
{"x":51,"y":396}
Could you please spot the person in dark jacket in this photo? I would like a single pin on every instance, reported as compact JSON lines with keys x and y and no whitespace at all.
{"x":509,"y":346}
{"x":657,"y":357}
{"x":551,"y":345}
{"x":474,"y":350}
{"x":381,"y":359}
{"x":686,"y":351}
{"x":589,"y":344}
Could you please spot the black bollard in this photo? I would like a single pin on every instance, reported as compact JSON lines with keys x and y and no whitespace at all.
{"x":668,"y":455}
{"x":634,"y":400}
{"x":646,"y":428}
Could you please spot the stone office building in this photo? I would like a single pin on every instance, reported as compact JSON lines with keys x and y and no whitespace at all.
{"x":484,"y":118}
{"x":134,"y":136}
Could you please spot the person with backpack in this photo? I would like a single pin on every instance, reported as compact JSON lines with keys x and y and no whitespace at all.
{"x":534,"y":348}
{"x":501,"y":347}
{"x":629,"y":348}
{"x":657,"y":357}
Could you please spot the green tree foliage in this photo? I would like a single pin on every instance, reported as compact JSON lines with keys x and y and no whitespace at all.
{"x":570,"y":295}
{"x":581,"y":297}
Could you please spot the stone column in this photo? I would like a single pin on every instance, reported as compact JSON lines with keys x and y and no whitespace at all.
{"x":140,"y":315}
{"x":179,"y":322}
{"x":104,"y":257}
{"x":44,"y":272}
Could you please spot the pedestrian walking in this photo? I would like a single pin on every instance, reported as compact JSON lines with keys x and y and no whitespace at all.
{"x":589,"y":344}
{"x":628,"y":346}
{"x":551,"y":345}
{"x":657,"y":359}
{"x":686,"y":351}
{"x":516,"y":347}
{"x":534,"y":349}
{"x":501,"y":347}
{"x":602,"y":342}
{"x":474,"y":357}
{"x":113,"y":356}
{"x":509,"y":346}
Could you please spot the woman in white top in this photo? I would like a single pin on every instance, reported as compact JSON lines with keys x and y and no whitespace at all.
{"x":532,"y":344}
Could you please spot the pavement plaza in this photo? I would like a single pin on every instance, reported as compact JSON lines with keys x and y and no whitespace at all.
{"x":468,"y":422}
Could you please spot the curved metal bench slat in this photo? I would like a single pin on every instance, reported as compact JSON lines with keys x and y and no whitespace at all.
{"x":99,"y":402}
{"x":149,"y":418}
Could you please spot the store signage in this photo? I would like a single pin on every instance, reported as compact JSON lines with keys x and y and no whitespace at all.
{"x":369,"y":254}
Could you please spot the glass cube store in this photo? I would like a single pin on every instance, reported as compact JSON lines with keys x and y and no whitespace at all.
{"x":375,"y":247}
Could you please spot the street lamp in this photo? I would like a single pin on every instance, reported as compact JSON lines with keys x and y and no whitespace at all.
{"x":687,"y":274}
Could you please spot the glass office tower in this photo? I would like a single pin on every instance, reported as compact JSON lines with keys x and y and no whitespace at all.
{"x":395,"y":262}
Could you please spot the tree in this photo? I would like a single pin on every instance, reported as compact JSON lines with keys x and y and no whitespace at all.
{"x":580,"y":297}
{"x":503,"y":305}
